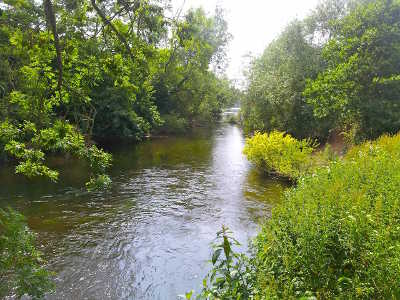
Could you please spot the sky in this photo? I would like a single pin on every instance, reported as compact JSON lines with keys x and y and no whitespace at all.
{"x":253,"y":24}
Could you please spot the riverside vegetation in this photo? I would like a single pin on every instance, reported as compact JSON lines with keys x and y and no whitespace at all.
{"x":336,"y":234}
{"x":76,"y":73}
{"x":73,"y":73}
{"x":21,"y":264}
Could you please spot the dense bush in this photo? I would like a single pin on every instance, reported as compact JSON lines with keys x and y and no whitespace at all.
{"x":337,"y":233}
{"x":173,"y":124}
{"x":21,"y":270}
{"x":279,"y":153}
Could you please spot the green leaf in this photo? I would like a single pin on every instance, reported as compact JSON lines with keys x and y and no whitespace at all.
{"x":216,"y":255}
{"x":227,"y":247}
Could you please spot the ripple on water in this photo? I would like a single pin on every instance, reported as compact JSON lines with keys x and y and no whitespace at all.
{"x":149,"y":237}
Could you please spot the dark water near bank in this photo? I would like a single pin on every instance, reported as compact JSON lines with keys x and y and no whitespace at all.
{"x":149,"y":237}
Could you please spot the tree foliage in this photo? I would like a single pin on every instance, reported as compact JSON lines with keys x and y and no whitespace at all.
{"x":360,"y":86}
{"x":76,"y":72}
{"x":187,"y":87}
{"x":336,"y":70}
{"x":274,"y":99}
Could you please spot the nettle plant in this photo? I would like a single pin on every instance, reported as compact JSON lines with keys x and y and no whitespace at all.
{"x":232,"y":275}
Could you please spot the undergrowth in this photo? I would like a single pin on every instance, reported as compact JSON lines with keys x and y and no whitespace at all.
{"x":336,"y":234}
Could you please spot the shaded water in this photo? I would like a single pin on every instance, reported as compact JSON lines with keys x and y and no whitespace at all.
{"x":149,"y":237}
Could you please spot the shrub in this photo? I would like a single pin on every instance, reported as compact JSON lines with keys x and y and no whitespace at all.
{"x":337,"y":234}
{"x":280,"y":153}
{"x":21,"y":265}
{"x":174,"y":124}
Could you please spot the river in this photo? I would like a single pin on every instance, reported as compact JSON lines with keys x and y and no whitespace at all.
{"x":149,"y":236}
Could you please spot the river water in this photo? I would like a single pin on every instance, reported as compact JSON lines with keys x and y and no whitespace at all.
{"x":149,"y":236}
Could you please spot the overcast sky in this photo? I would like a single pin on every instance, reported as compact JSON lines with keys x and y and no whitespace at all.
{"x":253,"y":23}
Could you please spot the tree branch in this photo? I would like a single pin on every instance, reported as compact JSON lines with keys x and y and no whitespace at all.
{"x":113,"y":28}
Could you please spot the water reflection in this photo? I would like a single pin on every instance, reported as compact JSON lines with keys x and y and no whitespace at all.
{"x":147,"y":238}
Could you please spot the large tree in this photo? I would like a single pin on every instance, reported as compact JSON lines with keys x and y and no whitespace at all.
{"x":186,"y":85}
{"x":78,"y":72}
{"x":360,"y":87}
{"x":277,"y":79}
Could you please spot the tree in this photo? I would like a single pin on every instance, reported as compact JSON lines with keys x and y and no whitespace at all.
{"x":360,"y":87}
{"x":185,"y":87}
{"x":31,"y":123}
{"x":277,"y":79}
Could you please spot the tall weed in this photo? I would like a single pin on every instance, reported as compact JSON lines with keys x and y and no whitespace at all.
{"x":337,"y":234}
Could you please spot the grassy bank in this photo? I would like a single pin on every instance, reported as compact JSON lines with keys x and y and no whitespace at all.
{"x":336,"y":234}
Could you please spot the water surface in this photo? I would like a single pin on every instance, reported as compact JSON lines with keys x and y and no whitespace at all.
{"x":149,"y":236}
